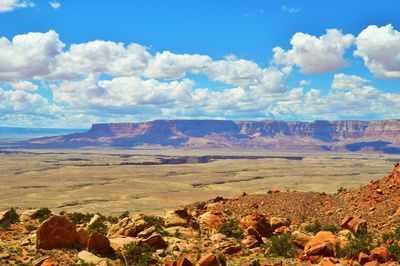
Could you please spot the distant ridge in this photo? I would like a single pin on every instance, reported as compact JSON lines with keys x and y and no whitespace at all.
{"x":321,"y":135}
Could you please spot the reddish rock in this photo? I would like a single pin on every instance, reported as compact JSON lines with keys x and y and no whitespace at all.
{"x":82,"y":239}
{"x":372,"y":263}
{"x":212,"y":218}
{"x":56,"y":232}
{"x":300,"y":238}
{"x":154,"y":241}
{"x":177,"y":217}
{"x":170,"y":263}
{"x":314,"y":259}
{"x":49,"y":262}
{"x":323,"y":243}
{"x":258,"y":222}
{"x":363,"y":258}
{"x":208,"y":260}
{"x":184,"y":262}
{"x":99,"y":243}
{"x":381,"y":254}
{"x":356,"y":225}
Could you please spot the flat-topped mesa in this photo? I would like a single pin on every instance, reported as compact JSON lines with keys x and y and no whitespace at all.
{"x":320,"y":135}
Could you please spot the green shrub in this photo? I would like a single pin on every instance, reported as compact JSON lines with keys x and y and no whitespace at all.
{"x":112,"y":219}
{"x":222,"y":259}
{"x":79,"y":218}
{"x":342,"y":189}
{"x":139,"y":255}
{"x":201,"y":205}
{"x":30,"y":227}
{"x":255,"y":263}
{"x":330,"y":227}
{"x":124,"y":215}
{"x":357,"y":245}
{"x":43,"y":214}
{"x":282,"y":245}
{"x":98,"y":227}
{"x":12,"y":218}
{"x":391,"y":240}
{"x":231,"y":229}
{"x":155,"y":221}
{"x":313,"y":228}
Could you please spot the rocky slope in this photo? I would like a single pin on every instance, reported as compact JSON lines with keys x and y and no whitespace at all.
{"x":379,"y":136}
{"x":356,"y":227}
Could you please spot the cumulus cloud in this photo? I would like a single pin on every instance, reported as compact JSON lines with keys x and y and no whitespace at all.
{"x":313,"y":54}
{"x":167,"y":65}
{"x":29,"y":55}
{"x":10,"y":5}
{"x":379,"y":47}
{"x":55,"y":5}
{"x":100,"y":57}
{"x":343,"y":81}
{"x":24,"y":85}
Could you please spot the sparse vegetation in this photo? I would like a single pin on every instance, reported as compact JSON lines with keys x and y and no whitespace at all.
{"x":79,"y":218}
{"x":316,"y":227}
{"x":155,"y":221}
{"x":99,"y":227}
{"x":282,"y":245}
{"x":124,"y":215}
{"x":231,"y":229}
{"x":11,"y":218}
{"x":391,"y":241}
{"x":43,"y":214}
{"x":341,"y":189}
{"x":363,"y":243}
{"x":140,"y":255}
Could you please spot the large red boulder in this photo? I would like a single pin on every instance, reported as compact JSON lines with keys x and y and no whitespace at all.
{"x":56,"y":232}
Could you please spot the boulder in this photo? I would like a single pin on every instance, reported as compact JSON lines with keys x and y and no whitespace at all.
{"x":154,"y":241}
{"x":95,"y":219}
{"x":49,"y":262}
{"x":208,"y":260}
{"x":5,"y":215}
{"x":381,"y":254}
{"x":28,"y":215}
{"x":300,"y":238}
{"x":277,"y":222}
{"x":258,"y":222}
{"x":212,"y":218}
{"x":250,"y":242}
{"x":118,"y":243}
{"x":56,"y":232}
{"x":99,"y":243}
{"x":147,"y":232}
{"x":184,"y":262}
{"x":177,"y":217}
{"x":91,"y":259}
{"x":82,"y":239}
{"x":323,"y":243}
{"x":135,"y":227}
{"x":356,"y":225}
{"x":372,"y":263}
{"x":363,"y":258}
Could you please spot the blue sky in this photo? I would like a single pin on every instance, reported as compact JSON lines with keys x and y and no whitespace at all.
{"x":73,"y":63}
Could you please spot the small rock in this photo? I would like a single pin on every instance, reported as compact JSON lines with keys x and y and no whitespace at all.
{"x":381,"y":254}
{"x":91,"y":259}
{"x":95,"y":219}
{"x":49,"y":262}
{"x":208,"y":260}
{"x":363,"y":258}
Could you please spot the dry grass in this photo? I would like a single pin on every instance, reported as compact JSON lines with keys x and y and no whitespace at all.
{"x":94,"y":181}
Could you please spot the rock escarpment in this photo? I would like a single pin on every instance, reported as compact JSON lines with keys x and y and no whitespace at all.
{"x":379,"y":136}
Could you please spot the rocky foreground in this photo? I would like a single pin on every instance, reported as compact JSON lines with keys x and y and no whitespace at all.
{"x":356,"y":227}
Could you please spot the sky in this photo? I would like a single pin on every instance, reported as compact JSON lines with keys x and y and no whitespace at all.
{"x":71,"y":63}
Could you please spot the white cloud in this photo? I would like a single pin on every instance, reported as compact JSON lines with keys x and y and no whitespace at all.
{"x":290,"y":9}
{"x":55,"y":5}
{"x":379,"y":47}
{"x":313,"y":54}
{"x":167,"y":65}
{"x":97,"y":57}
{"x":304,"y":82}
{"x":10,"y":5}
{"x":343,"y":81}
{"x":29,"y":56}
{"x":24,"y":85}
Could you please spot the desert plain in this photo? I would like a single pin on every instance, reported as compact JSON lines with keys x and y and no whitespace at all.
{"x":112,"y":181}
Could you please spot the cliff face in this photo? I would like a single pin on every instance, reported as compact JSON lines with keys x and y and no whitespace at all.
{"x":325,"y":135}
